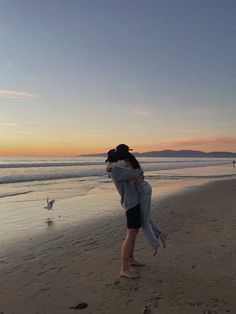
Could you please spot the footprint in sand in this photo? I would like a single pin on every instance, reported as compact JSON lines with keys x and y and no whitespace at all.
{"x":4,"y":261}
{"x":146,"y":310}
{"x":80,"y":305}
{"x":44,"y":289}
{"x":61,"y":268}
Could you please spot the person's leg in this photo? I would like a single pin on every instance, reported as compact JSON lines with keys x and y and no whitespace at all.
{"x":127,"y":257}
{"x":127,"y":252}
{"x":151,"y":229}
{"x":159,"y":233}
{"x":157,"y":230}
{"x":163,"y":238}
{"x":151,"y":234}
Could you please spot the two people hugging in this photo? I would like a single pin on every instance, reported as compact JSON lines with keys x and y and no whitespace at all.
{"x":135,"y":193}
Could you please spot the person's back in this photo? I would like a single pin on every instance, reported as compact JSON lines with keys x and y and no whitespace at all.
{"x":122,"y":179}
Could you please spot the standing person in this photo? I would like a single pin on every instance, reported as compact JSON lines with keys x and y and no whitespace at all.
{"x":122,"y":178}
{"x":150,"y":228}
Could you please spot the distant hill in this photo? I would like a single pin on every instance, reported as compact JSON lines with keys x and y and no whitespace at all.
{"x":175,"y":153}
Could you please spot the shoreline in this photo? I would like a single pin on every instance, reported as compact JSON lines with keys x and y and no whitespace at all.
{"x":25,"y":216}
{"x":195,"y":273}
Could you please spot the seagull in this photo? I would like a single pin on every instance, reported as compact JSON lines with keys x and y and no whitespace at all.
{"x":49,"y":204}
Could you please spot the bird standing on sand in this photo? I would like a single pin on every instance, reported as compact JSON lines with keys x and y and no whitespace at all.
{"x":49,"y":204}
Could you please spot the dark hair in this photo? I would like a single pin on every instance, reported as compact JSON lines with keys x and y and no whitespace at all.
{"x":134,"y":162}
{"x":123,"y":148}
{"x":130,"y":157}
{"x":111,"y":155}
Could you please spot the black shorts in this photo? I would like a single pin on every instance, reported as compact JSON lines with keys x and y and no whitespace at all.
{"x":134,"y":217}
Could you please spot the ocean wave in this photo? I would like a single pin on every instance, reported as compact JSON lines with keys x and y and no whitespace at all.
{"x":49,"y":164}
{"x":2,"y":195}
{"x":55,"y":170}
{"x":176,"y":177}
{"x":46,"y":177}
{"x":102,"y":176}
{"x":201,"y":162}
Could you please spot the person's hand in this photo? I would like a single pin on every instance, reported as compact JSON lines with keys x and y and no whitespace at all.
{"x":138,"y":181}
{"x":108,"y":169}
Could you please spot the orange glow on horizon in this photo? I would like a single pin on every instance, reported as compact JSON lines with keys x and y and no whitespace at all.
{"x":207,"y":144}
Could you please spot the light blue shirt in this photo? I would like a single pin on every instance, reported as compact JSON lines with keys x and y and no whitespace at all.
{"x":122,"y":178}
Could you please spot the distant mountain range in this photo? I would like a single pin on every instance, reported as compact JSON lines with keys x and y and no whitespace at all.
{"x":175,"y":153}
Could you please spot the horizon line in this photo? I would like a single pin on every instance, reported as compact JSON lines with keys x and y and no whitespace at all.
{"x":87,"y":154}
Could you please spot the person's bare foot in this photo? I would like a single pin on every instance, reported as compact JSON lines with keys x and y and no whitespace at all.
{"x":163,"y":238}
{"x":128,"y":275}
{"x":155,"y":252}
{"x":133,"y":262}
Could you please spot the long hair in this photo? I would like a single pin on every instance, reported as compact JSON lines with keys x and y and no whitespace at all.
{"x":134,"y":162}
{"x":130,"y":157}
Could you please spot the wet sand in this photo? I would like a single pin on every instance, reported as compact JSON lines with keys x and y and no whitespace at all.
{"x":196,"y":273}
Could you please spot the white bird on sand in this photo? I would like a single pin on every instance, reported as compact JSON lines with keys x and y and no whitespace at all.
{"x":49,"y":204}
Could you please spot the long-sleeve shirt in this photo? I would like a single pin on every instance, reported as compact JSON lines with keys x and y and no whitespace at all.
{"x":122,"y":178}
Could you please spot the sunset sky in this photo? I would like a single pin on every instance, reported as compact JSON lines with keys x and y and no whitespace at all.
{"x":81,"y":76}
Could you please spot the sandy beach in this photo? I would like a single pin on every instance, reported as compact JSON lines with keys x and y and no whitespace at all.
{"x":195,"y":274}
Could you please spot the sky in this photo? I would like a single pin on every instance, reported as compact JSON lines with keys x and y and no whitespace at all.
{"x":82,"y":76}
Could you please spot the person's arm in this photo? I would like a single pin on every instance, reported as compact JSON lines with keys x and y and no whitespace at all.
{"x":108,"y":168}
{"x":125,"y":174}
{"x":138,"y":181}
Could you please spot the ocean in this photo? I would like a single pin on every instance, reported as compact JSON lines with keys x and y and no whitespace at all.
{"x":20,"y":175}
{"x":25,"y":183}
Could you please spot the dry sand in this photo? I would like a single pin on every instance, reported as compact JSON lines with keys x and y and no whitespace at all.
{"x":196,"y":273}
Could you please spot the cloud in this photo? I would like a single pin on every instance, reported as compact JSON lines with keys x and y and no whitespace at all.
{"x":210,"y":143}
{"x":24,"y":133}
{"x":8,"y":124}
{"x":138,"y":126}
{"x":197,"y":112}
{"x":214,"y":142}
{"x":10,"y":94}
{"x":33,"y":123}
{"x":140,"y":111}
{"x":191,"y":130}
